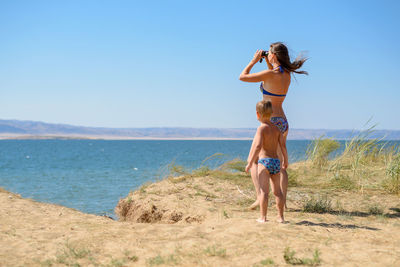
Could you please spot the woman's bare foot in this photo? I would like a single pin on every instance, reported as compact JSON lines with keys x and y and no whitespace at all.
{"x":280,"y":220}
{"x":260,"y":220}
{"x":254,"y":205}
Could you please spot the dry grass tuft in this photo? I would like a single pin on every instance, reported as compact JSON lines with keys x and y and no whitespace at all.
{"x":320,"y":149}
{"x":360,"y":167}
{"x":317,"y":205}
{"x":392,"y":181}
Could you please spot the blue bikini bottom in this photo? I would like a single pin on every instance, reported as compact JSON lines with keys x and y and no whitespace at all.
{"x":271,"y":164}
{"x":281,"y":122}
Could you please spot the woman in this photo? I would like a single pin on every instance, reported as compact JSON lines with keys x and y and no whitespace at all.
{"x":274,"y":86}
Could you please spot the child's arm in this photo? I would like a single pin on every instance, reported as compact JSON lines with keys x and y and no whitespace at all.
{"x":255,"y":148}
{"x":253,"y":145}
{"x":282,"y":144}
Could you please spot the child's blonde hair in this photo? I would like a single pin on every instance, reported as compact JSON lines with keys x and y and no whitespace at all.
{"x":264,"y":108}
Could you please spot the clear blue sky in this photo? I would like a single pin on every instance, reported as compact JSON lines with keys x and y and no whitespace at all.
{"x":177,"y":63}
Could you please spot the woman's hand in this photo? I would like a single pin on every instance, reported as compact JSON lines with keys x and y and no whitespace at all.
{"x":257,"y":56}
{"x":285,"y":165}
{"x":245,"y":76}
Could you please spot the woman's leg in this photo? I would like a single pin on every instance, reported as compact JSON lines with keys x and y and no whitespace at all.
{"x":254,"y":177}
{"x":283,"y":174}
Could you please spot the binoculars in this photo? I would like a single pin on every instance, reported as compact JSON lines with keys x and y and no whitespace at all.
{"x":263,"y":54}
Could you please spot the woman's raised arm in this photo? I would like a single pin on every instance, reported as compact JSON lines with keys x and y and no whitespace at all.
{"x":246,"y":76}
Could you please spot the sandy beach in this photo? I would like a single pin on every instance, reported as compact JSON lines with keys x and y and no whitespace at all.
{"x":200,"y":220}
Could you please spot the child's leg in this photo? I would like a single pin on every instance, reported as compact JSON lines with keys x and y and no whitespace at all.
{"x":263,"y":178}
{"x":275,"y":182}
{"x":254,"y":177}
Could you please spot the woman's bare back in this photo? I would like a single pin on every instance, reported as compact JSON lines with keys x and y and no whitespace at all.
{"x":278,"y":84}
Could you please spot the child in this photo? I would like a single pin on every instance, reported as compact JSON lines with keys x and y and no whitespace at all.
{"x":264,"y":153}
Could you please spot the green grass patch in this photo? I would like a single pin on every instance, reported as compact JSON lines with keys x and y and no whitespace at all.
{"x":342,"y":181}
{"x":243,"y":180}
{"x":293,"y":176}
{"x":375,"y":210}
{"x":245,"y":202}
{"x":76,"y":252}
{"x":143,"y":188}
{"x":180,"y":179}
{"x":117,"y":262}
{"x":235,"y":164}
{"x":214,"y":251}
{"x":226,"y":215}
{"x":69,"y":256}
{"x":202,"y":171}
{"x":317,"y":205}
{"x":158,"y":260}
{"x":202,"y":192}
{"x":289,"y":256}
{"x":46,"y":263}
{"x":265,"y":262}
{"x":72,"y":255}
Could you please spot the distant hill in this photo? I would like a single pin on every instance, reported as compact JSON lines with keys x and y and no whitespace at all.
{"x":11,"y":129}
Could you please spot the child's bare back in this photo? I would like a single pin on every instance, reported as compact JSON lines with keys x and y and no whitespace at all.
{"x":270,"y":135}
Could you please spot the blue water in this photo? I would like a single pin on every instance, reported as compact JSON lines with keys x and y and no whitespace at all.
{"x":91,"y":175}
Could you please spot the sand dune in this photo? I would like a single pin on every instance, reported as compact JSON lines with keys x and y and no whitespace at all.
{"x":198,"y":221}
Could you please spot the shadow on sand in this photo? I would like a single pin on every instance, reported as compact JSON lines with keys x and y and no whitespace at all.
{"x":337,"y":225}
{"x":396,"y":213}
{"x":337,"y":212}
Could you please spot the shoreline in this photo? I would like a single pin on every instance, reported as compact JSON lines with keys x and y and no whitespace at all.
{"x":91,"y":137}
{"x":124,"y":138}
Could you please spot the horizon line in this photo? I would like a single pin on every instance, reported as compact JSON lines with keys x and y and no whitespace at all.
{"x":188,"y":127}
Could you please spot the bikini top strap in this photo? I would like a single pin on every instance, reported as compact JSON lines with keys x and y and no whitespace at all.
{"x":280,"y":69}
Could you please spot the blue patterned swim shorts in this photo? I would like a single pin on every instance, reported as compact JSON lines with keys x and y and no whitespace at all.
{"x":271,"y":164}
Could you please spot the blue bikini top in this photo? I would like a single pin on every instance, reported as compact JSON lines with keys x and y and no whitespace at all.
{"x":265,"y":92}
{"x":280,"y":69}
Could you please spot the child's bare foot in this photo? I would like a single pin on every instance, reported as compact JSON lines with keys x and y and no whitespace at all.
{"x":254,"y":205}
{"x":261,"y":220}
{"x":280,"y":220}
